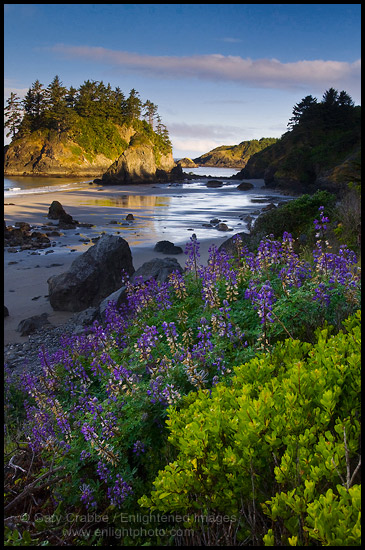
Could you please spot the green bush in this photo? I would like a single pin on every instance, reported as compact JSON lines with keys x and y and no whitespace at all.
{"x":275,"y":451}
{"x":295,"y":216}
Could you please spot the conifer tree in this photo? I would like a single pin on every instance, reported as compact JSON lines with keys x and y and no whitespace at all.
{"x":13,"y":115}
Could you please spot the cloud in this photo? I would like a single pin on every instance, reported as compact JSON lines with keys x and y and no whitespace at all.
{"x":266,"y":73}
{"x":193,"y":146}
{"x":198,"y":131}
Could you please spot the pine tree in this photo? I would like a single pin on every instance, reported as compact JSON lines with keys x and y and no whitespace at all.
{"x":150,"y":112}
{"x":133,"y":106}
{"x":13,"y":114}
{"x":57,"y":112}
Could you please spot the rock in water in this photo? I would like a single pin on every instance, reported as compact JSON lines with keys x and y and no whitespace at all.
{"x":92,"y":276}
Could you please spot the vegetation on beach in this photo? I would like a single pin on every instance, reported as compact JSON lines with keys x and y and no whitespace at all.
{"x":221,"y":407}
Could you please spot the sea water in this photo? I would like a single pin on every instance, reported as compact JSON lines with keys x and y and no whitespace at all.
{"x":170,"y":211}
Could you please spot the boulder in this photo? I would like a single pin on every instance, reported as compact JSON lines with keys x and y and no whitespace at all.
{"x":6,"y":311}
{"x":92,"y":276}
{"x":245,"y":186}
{"x":186,"y":162}
{"x":230,"y":247}
{"x":138,"y":164}
{"x":57,"y":212}
{"x":214,"y":183}
{"x":158,"y":269}
{"x":27,"y":326}
{"x":167,"y":247}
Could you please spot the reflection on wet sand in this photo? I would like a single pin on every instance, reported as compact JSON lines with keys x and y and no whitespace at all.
{"x":130,"y":201}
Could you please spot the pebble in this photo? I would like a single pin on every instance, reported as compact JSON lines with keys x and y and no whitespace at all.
{"x":23,"y":357}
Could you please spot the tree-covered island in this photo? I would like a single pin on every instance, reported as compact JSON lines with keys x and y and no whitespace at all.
{"x":59,"y":131}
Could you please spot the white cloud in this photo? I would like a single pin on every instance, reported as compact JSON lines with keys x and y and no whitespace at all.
{"x":187,"y":146}
{"x":266,"y":73}
{"x":198,"y":131}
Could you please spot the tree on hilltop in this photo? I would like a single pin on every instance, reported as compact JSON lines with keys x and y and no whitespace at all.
{"x":13,"y":114}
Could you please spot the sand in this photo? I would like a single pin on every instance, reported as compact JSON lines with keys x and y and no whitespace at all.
{"x":26,"y":272}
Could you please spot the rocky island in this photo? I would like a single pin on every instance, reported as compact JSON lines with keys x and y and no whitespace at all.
{"x":93,"y":131}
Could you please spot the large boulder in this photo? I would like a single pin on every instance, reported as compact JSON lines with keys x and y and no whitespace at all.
{"x":158,"y":269}
{"x":92,"y":276}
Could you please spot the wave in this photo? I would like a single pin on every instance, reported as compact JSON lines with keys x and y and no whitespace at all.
{"x":15,"y":191}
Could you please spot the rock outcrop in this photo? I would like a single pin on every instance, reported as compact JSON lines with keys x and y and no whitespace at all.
{"x":92,"y":276}
{"x":37,"y":155}
{"x":139,"y":163}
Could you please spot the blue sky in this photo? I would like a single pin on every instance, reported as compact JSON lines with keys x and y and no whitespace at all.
{"x":219,"y":73}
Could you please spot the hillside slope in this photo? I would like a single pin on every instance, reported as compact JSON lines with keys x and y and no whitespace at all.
{"x":234,"y":156}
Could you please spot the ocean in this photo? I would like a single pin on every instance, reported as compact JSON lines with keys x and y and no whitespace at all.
{"x":20,"y":185}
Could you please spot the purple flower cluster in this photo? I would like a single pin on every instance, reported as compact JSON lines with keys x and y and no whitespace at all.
{"x":119,"y":492}
{"x":139,"y":448}
{"x":192,"y":251}
{"x":262,"y":300}
{"x":87,"y":496}
{"x":103,"y":471}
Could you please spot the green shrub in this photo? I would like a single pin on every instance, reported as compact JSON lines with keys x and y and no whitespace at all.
{"x":281,"y":441}
{"x":295,"y":216}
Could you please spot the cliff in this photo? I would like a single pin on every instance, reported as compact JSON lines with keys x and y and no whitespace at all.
{"x":234,"y":156}
{"x":132,"y":158}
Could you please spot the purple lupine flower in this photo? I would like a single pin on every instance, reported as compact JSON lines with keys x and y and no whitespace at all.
{"x":192,"y":250}
{"x":262,"y":300}
{"x":84,"y":455}
{"x":103,"y":471}
{"x":119,"y":492}
{"x":88,"y":432}
{"x":139,"y":448}
{"x":87,"y":496}
{"x":321,"y":295}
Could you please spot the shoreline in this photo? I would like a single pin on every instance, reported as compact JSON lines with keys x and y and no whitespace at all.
{"x":26,"y":272}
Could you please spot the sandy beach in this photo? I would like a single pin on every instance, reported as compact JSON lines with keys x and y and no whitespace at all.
{"x":156,"y":217}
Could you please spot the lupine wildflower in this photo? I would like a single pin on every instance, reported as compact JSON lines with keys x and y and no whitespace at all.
{"x":119,"y":492}
{"x":87,"y":496}
{"x":139,"y":448}
{"x":103,"y":471}
{"x":192,"y":250}
{"x":262,"y":300}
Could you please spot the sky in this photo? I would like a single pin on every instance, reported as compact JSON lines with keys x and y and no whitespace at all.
{"x":219,"y":73}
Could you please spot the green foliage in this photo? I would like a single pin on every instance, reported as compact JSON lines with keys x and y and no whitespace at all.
{"x":282,"y":438}
{"x":98,"y":136}
{"x":295,"y":216}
